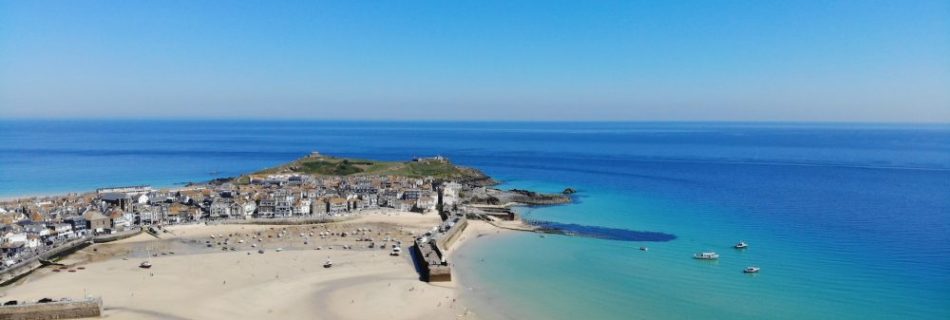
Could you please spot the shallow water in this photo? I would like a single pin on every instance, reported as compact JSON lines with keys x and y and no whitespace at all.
{"x":846,"y":221}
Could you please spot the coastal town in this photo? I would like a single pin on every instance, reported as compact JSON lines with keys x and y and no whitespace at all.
{"x":312,"y":191}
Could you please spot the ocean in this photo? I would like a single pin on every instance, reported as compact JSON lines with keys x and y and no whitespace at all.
{"x":846,"y":221}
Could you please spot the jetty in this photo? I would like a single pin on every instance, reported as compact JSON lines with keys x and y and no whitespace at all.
{"x":431,"y":248}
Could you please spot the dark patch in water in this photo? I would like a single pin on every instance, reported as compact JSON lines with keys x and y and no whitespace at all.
{"x":601,"y":232}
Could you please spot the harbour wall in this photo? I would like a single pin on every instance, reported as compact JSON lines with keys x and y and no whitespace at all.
{"x":91,"y":307}
{"x":18,"y":270}
{"x":447,"y":239}
{"x":286,"y":221}
{"x":116,"y":236}
{"x":431,"y":251}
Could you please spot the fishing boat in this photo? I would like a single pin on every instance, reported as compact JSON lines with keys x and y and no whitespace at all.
{"x":751,"y":269}
{"x":741,"y":245}
{"x":706,"y":255}
{"x":644,"y":249}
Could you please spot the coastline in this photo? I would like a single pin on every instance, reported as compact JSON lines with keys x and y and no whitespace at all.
{"x":274,"y":268}
{"x":215,"y":284}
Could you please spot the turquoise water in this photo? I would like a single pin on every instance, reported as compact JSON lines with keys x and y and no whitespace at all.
{"x":846,"y":221}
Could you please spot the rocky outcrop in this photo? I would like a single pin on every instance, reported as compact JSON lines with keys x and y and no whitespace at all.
{"x":533,"y":198}
{"x":501,"y":197}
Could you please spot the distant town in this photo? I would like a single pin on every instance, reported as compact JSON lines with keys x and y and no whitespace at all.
{"x":299,"y":192}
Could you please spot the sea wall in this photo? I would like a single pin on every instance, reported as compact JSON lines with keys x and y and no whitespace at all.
{"x":116,"y":236}
{"x":23,"y":268}
{"x":91,"y":307}
{"x":447,"y":239}
{"x":286,"y":221}
{"x":431,"y":250}
{"x":430,"y":258}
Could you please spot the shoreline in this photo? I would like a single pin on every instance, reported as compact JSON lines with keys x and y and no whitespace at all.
{"x":363,"y":283}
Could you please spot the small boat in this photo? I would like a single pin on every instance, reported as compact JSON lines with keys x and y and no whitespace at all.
{"x":328,"y":264}
{"x":644,"y":249}
{"x":741,"y":245}
{"x":706,"y":256}
{"x":147,"y":263}
{"x":751,"y":269}
{"x":261,"y":251}
{"x":396,"y":251}
{"x":279,"y":249}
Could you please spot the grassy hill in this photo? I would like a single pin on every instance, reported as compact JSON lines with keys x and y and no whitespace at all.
{"x":321,"y":165}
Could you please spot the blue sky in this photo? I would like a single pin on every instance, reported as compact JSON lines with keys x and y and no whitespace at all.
{"x":483,"y":60}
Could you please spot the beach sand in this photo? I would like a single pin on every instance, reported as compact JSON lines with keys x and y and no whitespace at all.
{"x":198,"y":282}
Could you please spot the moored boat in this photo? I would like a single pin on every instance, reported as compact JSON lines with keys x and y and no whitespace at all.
{"x":148,"y":261}
{"x":751,"y":269}
{"x":709,"y":255}
{"x":741,"y":245}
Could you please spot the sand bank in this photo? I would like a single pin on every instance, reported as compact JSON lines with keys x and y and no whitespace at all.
{"x":190,"y":280}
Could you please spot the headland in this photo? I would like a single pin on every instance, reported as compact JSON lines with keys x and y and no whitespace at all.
{"x":313,"y":238}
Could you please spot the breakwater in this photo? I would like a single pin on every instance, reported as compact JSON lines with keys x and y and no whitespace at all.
{"x":67,"y":309}
{"x":431,"y":249}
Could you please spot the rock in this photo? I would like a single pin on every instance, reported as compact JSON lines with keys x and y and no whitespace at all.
{"x":569,"y":191}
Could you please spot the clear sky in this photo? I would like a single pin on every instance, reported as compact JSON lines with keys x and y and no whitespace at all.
{"x":860,"y":60}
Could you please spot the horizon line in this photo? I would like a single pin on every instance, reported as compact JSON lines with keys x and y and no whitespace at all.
{"x":378,"y":120}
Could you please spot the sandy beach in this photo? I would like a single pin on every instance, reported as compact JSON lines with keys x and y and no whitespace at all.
{"x":194,"y":278}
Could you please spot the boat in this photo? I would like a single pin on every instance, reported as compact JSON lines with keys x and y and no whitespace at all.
{"x":279,"y":249}
{"x":751,"y":269}
{"x":396,"y":251}
{"x":147,"y":263}
{"x":741,"y":245}
{"x":706,"y":255}
{"x":644,"y":249}
{"x":328,"y":264}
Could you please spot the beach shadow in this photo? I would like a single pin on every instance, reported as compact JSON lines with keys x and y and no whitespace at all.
{"x":416,"y":262}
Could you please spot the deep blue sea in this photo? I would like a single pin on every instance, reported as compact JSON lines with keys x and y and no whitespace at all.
{"x":847,"y":221}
